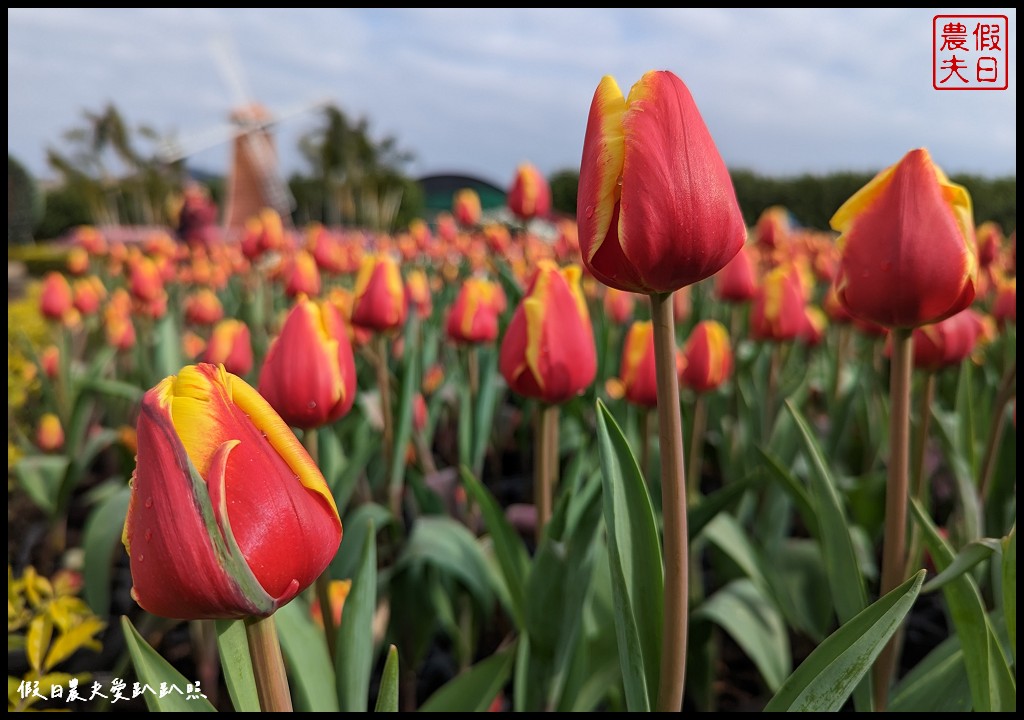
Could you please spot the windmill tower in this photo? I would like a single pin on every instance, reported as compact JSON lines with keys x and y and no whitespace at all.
{"x":254,"y":181}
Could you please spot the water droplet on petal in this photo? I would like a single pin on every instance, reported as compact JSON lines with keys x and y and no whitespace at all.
{"x":149,"y":502}
{"x":141,"y":557}
{"x":312,"y":404}
{"x":590,"y":211}
{"x":148,"y":535}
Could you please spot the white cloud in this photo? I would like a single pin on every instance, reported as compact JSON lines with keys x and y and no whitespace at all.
{"x":783,"y":91}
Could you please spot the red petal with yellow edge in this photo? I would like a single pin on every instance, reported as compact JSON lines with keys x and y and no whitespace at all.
{"x":638,"y":371}
{"x":175,"y":569}
{"x":908,"y":253}
{"x":679,"y":219}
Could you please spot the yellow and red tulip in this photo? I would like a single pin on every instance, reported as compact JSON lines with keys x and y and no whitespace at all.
{"x":815,"y":325}
{"x":229,"y":517}
{"x":337,"y":593}
{"x":203,"y":307}
{"x":418,"y":289}
{"x":778,"y":312}
{"x":49,"y":360}
{"x":473,"y":317}
{"x":656,"y":206}
{"x":117,"y":320}
{"x":144,"y":280}
{"x":56,"y":297}
{"x":230,"y":345}
{"x":948,"y":342}
{"x":637,"y":370}
{"x":707,"y":357}
{"x":466,"y":207}
{"x":908,"y":254}
{"x":309,"y":375}
{"x":49,"y":433}
{"x":78,"y":261}
{"x":380,"y":303}
{"x":303,"y":277}
{"x":1004,"y":308}
{"x":548,"y":350}
{"x":89,"y":293}
{"x":530,"y":194}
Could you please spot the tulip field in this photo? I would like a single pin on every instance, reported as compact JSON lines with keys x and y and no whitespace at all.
{"x":643,"y":459}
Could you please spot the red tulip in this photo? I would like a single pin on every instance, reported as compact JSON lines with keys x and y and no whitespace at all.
{"x":380,"y":303}
{"x":203,"y":307}
{"x":473,"y":317}
{"x":309,"y":375}
{"x":736,"y":282}
{"x":636,"y":371}
{"x":56,"y":297}
{"x":773,"y":227}
{"x":949,"y":342}
{"x":656,"y":206}
{"x":230,"y":345}
{"x":229,"y":517}
{"x":707,"y":357}
{"x":618,"y":305}
{"x":117,"y":320}
{"x":548,"y":350}
{"x":908,"y":255}
{"x":530,"y":195}
{"x":466,"y":207}
{"x":49,"y":359}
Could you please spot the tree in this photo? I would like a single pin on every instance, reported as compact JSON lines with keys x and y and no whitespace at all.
{"x":24,"y":203}
{"x":564,"y":186}
{"x":357,"y":180}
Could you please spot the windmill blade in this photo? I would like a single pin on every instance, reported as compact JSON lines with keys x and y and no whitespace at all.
{"x":171,"y":149}
{"x":226,"y":55}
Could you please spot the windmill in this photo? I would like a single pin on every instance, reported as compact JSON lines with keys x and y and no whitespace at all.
{"x":254,"y":178}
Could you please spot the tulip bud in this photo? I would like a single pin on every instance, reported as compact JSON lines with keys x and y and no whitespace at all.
{"x":618,"y":305}
{"x":466,"y":207}
{"x":530,"y":195}
{"x":78,"y":261}
{"x":309,"y":375}
{"x":418,"y":289}
{"x":656,"y":206}
{"x":473,"y":317}
{"x":778,"y":312}
{"x":736,"y":282}
{"x":49,"y":359}
{"x":908,"y":255}
{"x":1004,"y":309}
{"x":203,"y":307}
{"x":89,"y":292}
{"x":49,"y":433}
{"x":145,"y":281}
{"x":548,"y":350}
{"x":56,"y":297}
{"x":230,"y":345}
{"x":380,"y":303}
{"x":637,"y":371}
{"x":707,"y":357}
{"x":303,"y":276}
{"x":229,"y":517}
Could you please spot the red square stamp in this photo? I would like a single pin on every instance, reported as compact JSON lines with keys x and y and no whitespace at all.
{"x":970,"y":52}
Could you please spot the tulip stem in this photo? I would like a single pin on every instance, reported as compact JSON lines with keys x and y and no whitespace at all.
{"x":268,"y":665}
{"x":474,"y":372}
{"x":1005,"y":393}
{"x":323,"y":582}
{"x":693,"y":471}
{"x":673,"y":505}
{"x":384,"y":387}
{"x":919,"y":488}
{"x":545,"y":466}
{"x":894,"y":550}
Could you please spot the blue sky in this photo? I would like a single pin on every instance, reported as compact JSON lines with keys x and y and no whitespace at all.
{"x":480,"y":90}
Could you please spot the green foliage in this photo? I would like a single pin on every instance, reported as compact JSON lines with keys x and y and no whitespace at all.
{"x":564,"y":186}
{"x":24,"y":203}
